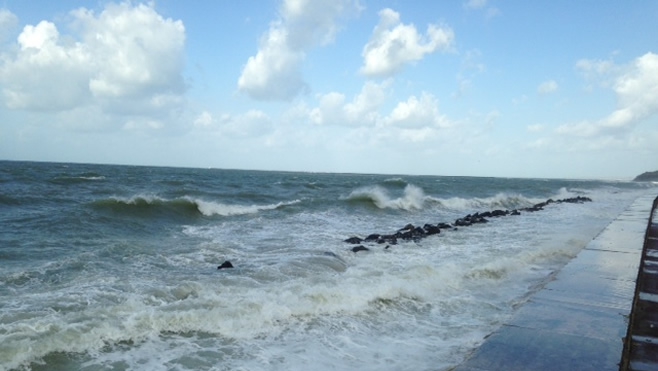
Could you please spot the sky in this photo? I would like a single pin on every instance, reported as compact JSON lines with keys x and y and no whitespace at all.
{"x":531,"y":89}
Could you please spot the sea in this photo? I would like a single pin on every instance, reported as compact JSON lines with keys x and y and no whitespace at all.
{"x":107,"y":267}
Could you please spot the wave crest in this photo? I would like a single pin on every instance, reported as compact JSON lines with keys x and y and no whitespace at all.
{"x":190,"y":206}
{"x":413,"y":197}
{"x":499,"y":201}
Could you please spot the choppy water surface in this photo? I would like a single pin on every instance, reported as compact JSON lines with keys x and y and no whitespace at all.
{"x":115,"y":267}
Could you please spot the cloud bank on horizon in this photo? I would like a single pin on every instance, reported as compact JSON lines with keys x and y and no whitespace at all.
{"x":479,"y":88}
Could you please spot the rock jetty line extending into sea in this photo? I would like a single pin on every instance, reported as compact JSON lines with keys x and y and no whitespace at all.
{"x":414,"y":233}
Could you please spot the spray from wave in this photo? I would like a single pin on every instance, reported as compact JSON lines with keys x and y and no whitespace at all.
{"x":499,"y":201}
{"x":413,"y":198}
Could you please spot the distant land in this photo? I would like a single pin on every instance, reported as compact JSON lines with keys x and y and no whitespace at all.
{"x":649,"y":176}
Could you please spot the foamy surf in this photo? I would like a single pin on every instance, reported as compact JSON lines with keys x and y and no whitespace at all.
{"x":123,"y":274}
{"x":186,"y":204}
{"x":413,"y":197}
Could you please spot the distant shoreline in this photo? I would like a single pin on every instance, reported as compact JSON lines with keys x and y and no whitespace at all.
{"x":649,"y":176}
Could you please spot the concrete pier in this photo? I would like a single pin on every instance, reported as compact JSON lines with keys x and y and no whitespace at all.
{"x":641,"y":343}
{"x":579,"y":320}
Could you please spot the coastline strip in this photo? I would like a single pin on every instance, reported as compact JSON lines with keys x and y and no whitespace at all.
{"x":577,"y":321}
{"x":641,"y":342}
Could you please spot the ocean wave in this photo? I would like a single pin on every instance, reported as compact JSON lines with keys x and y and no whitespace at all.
{"x":190,"y":206}
{"x":214,"y":208}
{"x":499,"y":201}
{"x":413,"y":198}
{"x":396,"y":181}
{"x":82,"y":178}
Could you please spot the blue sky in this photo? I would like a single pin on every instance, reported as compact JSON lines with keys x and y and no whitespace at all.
{"x":475,"y":87}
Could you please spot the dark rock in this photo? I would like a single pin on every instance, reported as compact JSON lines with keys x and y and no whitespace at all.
{"x":413,"y":233}
{"x":462,"y":222}
{"x":388,"y":238}
{"x":360,"y":248}
{"x":431,"y":229}
{"x":372,"y":238}
{"x":226,"y":264}
{"x":354,"y":240}
{"x":497,"y":213}
{"x":418,"y":231}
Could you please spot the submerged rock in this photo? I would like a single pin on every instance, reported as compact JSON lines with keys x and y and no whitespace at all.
{"x":360,"y":248}
{"x":354,"y":240}
{"x":226,"y":264}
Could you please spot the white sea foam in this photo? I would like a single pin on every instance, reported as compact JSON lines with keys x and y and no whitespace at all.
{"x":205,"y":207}
{"x":210,"y":208}
{"x":116,"y":297}
{"x":401,"y":304}
{"x":499,"y":201}
{"x":413,"y":197}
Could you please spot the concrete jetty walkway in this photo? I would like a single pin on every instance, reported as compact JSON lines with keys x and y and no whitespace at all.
{"x":579,"y":320}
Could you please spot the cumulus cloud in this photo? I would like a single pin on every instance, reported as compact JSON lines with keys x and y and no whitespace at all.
{"x":418,"y":113}
{"x":253,"y":123}
{"x":8,"y":22}
{"x":394,"y":44}
{"x":637,"y":92}
{"x":127,"y":59}
{"x":362,"y":110}
{"x":636,"y":88}
{"x":412,"y":120}
{"x":547,"y":87}
{"x":274,"y":73}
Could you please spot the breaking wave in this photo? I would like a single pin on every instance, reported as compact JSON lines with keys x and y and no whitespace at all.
{"x":499,"y":201}
{"x":150,"y":204}
{"x":413,"y":198}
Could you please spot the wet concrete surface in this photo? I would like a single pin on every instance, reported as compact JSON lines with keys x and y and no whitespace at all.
{"x":641,"y":345}
{"x":579,"y":320}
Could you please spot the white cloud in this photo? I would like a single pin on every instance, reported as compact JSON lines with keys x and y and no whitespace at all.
{"x":417,"y":113}
{"x":637,"y":92}
{"x":141,"y":52}
{"x":598,"y":72}
{"x":274,"y":73}
{"x":535,"y":128}
{"x":127,"y":60}
{"x":636,"y":88}
{"x":8,"y":22}
{"x":203,"y":120}
{"x":547,"y":87}
{"x":475,"y":4}
{"x":580,"y":129}
{"x":417,"y":135}
{"x":362,"y":110}
{"x":44,"y":74}
{"x":253,"y":123}
{"x":590,"y":66}
{"x":393,"y":44}
{"x":490,"y":11}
